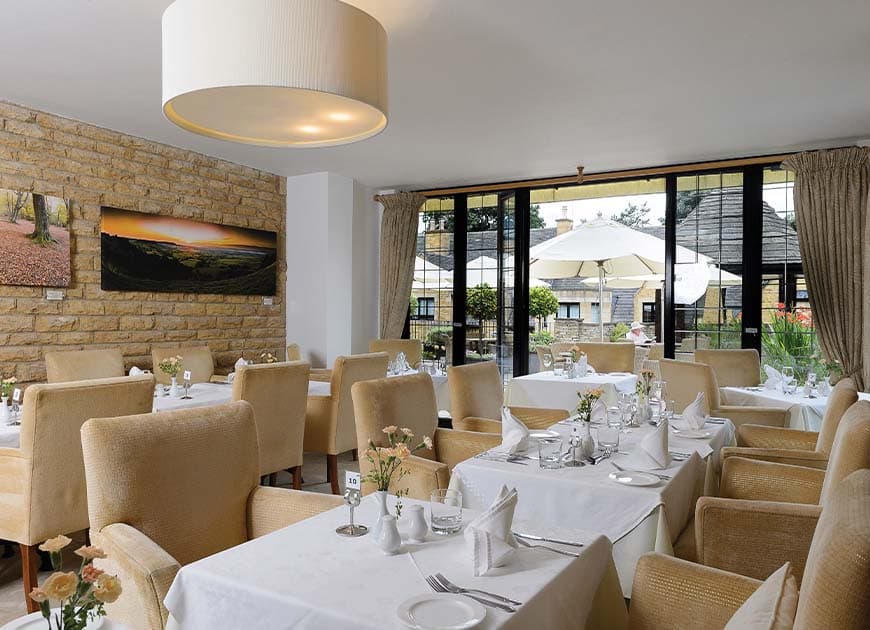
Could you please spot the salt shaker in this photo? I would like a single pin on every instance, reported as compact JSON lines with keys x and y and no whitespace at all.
{"x":389,"y":539}
{"x":417,"y":527}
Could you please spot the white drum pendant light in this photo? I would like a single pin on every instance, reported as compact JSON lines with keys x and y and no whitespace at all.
{"x":274,"y":72}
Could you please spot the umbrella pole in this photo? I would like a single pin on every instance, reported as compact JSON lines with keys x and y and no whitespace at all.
{"x":601,"y":300}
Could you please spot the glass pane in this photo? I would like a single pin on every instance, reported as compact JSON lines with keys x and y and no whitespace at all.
{"x":632,"y":288}
{"x":506,"y":293}
{"x":709,"y":266}
{"x":431,"y":305}
{"x":482,"y":279}
{"x":788,"y":336}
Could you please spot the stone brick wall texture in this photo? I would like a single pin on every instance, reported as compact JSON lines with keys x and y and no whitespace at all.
{"x":94,"y":167}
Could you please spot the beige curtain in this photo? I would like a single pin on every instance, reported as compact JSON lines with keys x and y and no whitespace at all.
{"x":398,"y":248}
{"x":831,"y":197}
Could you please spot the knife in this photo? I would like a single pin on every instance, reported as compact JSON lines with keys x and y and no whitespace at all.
{"x":551,"y":540}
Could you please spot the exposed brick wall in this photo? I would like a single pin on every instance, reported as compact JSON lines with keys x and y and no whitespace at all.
{"x":95,"y":167}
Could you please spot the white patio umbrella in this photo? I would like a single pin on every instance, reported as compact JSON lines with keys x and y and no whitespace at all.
{"x":604,"y":248}
{"x":428,"y":275}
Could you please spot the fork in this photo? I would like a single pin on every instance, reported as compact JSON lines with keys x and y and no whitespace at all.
{"x":525,"y":543}
{"x":621,"y":469}
{"x":440,"y":588}
{"x":453,"y":588}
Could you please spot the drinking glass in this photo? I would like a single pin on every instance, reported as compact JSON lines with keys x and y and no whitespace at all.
{"x":667,"y":413}
{"x":608,"y":439}
{"x":547,"y":361}
{"x":787,"y":379}
{"x":550,"y":452}
{"x":445,"y":510}
{"x":812,"y":385}
{"x":569,"y":367}
{"x":558,"y":367}
{"x":614,"y":417}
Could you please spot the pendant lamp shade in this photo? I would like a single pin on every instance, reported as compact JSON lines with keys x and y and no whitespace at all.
{"x":274,"y":72}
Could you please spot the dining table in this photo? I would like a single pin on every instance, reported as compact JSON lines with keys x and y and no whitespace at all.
{"x":306,"y":576}
{"x":805,"y":413}
{"x":552,"y":391}
{"x":636,"y":520}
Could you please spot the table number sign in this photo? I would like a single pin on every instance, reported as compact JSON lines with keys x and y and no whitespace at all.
{"x":16,"y":395}
{"x":186,"y":375}
{"x":353,"y":485}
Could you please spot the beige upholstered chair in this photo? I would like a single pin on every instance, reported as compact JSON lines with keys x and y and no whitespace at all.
{"x":672,"y":593}
{"x":278,"y":392}
{"x":733,"y":368}
{"x":167,"y":489}
{"x":294,"y":352}
{"x":409,"y":402}
{"x":42,"y":483}
{"x":477,"y":397}
{"x":329,"y":420}
{"x":609,"y":357}
{"x":413,"y":349}
{"x":766,"y":512}
{"x":543,"y":352}
{"x":793,"y":446}
{"x":83,"y":365}
{"x":197,"y":359}
{"x":686,"y":379}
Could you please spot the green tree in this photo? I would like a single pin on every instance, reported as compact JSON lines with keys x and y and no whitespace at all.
{"x":542,"y":302}
{"x":40,"y":234}
{"x":481,"y":302}
{"x":687,"y":202}
{"x":483,"y":219}
{"x":634,"y":216}
{"x":412,"y":306}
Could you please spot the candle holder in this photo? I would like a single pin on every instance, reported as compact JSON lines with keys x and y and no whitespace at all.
{"x":351,"y":530}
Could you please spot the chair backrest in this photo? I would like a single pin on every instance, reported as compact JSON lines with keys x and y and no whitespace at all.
{"x":197,"y":359}
{"x":83,"y":365}
{"x":834,"y":590}
{"x":656,"y":352}
{"x":733,"y":368}
{"x":843,"y":396}
{"x":180,"y":477}
{"x":609,"y":357}
{"x":544,"y":351}
{"x":851,"y":450}
{"x":402,"y":401}
{"x":558,"y":347}
{"x":413,"y":349}
{"x":52,"y":416}
{"x":685,"y":379}
{"x":476,"y":391}
{"x":294,"y":352}
{"x":278,"y":393}
{"x":346,"y":372}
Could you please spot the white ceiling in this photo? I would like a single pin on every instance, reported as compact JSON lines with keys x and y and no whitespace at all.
{"x":489,"y":90}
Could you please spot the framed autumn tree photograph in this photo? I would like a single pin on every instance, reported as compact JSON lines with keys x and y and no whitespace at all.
{"x":34,"y":239}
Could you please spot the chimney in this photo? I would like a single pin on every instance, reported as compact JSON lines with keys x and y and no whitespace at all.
{"x":563,"y":223}
{"x":437,"y":236}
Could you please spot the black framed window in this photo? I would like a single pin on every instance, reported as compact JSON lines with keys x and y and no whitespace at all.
{"x":648,"y":311}
{"x":568,"y":310}
{"x":425,"y":308}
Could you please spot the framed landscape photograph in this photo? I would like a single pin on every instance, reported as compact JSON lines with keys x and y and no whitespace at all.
{"x":34,"y":239}
{"x":151,"y":252}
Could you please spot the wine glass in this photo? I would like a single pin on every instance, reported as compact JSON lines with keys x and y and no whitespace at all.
{"x":787,"y":379}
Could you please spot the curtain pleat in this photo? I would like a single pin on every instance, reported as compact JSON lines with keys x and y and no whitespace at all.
{"x":398,"y":249}
{"x":831,"y":198}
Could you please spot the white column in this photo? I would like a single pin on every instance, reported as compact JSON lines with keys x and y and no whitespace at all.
{"x":332,"y":257}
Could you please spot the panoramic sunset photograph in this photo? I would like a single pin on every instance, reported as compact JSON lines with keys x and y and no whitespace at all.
{"x":146,"y":252}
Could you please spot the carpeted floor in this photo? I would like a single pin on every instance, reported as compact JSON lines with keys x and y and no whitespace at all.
{"x":11,"y":586}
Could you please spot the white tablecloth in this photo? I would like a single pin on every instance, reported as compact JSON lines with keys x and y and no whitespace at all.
{"x":10,"y":436}
{"x":806,"y":413}
{"x":636,"y":519}
{"x":306,"y":576}
{"x":201,"y":395}
{"x":35,"y":621}
{"x":544,"y":389}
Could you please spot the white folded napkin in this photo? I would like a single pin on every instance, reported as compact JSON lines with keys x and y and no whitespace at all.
{"x":581,"y":367}
{"x":489,"y":536}
{"x":774,"y":377}
{"x":695,"y":414}
{"x":240,"y":363}
{"x":135,"y":371}
{"x":652,"y":452}
{"x":231,"y":377}
{"x":514,"y":434}
{"x":598,"y":413}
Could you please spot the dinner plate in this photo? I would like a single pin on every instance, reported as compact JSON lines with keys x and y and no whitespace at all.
{"x":539,"y":434}
{"x":634,"y":478}
{"x":695,"y":434}
{"x":440,"y":611}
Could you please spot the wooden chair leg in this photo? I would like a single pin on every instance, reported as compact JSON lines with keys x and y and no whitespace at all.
{"x":29,"y":573}
{"x":332,"y":472}
{"x":296,"y":471}
{"x":273,"y":479}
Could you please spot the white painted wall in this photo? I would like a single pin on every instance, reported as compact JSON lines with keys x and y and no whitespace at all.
{"x":332,"y":266}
